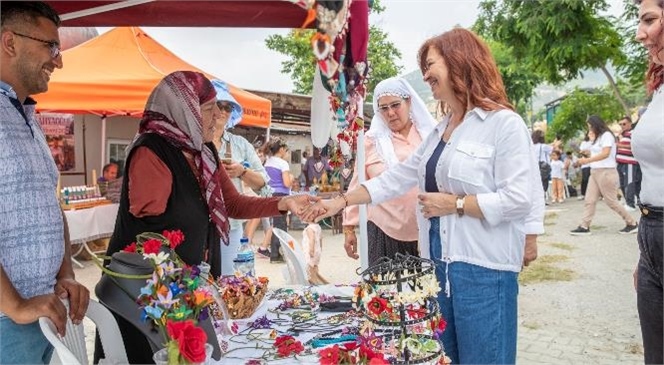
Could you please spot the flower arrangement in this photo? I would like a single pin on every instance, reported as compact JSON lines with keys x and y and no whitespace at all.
{"x":175,"y":298}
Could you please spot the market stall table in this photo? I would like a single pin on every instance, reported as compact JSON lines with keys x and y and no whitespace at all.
{"x":90,"y":224}
{"x":241,"y":348}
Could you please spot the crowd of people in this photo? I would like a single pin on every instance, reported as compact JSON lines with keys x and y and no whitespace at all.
{"x":468,"y":192}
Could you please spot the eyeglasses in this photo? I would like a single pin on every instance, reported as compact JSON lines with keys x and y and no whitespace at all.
{"x":384,"y":109}
{"x":227,"y":107}
{"x":53,"y":46}
{"x":622,"y":124}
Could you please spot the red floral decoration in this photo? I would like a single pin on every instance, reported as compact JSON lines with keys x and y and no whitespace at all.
{"x":151,"y":246}
{"x":191,"y":339}
{"x":329,"y":355}
{"x":287,"y":345}
{"x":378,"y":305}
{"x":174,"y":237}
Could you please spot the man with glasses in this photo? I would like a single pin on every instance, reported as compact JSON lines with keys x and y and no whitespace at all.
{"x":35,"y":255}
{"x":629,"y":170}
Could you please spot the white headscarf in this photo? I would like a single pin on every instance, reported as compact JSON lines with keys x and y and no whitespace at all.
{"x":381,"y":133}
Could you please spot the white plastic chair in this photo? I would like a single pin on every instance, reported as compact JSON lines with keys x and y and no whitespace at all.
{"x":294,"y":257}
{"x":71,"y":349}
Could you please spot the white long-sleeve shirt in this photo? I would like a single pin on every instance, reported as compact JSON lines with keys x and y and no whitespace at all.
{"x":488,"y":155}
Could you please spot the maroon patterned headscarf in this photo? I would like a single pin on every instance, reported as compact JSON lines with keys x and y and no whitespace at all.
{"x":173,"y":111}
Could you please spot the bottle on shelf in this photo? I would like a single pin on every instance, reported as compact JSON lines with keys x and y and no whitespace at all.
{"x":244,"y":261}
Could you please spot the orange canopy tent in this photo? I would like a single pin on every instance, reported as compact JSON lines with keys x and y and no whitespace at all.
{"x":113,"y":74}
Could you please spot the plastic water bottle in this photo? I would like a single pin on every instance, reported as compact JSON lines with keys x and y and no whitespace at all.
{"x":244,"y":261}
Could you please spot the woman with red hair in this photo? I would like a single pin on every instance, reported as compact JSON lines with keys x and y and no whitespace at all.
{"x":481,"y":203}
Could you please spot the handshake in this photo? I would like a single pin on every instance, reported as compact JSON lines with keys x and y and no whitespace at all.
{"x":312,"y":208}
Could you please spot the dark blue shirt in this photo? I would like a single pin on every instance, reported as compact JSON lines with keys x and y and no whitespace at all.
{"x":430,"y":185}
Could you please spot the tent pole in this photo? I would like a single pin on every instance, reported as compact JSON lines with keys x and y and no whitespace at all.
{"x":103,"y":140}
{"x":103,"y":9}
{"x":85,"y":157}
{"x":361,"y":158}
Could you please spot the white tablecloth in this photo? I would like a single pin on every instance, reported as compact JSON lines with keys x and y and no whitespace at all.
{"x":91,"y":223}
{"x":241,"y":355}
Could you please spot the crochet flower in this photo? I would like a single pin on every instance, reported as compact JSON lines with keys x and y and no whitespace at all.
{"x":287,"y":345}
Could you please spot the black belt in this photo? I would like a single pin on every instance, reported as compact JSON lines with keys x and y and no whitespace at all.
{"x":651,"y":212}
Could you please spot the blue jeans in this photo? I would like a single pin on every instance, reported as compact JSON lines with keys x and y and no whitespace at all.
{"x":481,"y":311}
{"x":23,"y":343}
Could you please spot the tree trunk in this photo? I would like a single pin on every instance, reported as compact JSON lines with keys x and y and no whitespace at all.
{"x":615,"y":90}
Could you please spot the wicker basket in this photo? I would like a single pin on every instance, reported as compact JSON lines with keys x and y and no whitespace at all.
{"x":244,"y":306}
{"x":242,"y":295}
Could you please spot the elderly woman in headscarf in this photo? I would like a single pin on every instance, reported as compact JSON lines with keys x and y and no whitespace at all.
{"x":174,"y":181}
{"x":401,"y":121}
{"x":241,"y":162}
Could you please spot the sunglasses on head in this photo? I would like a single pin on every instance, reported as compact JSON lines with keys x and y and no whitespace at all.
{"x":227,"y":107}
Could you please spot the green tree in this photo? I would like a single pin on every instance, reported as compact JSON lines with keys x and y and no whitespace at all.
{"x":577,"y":106}
{"x":519,"y":81}
{"x":558,"y":38}
{"x":636,"y":62}
{"x":301,"y":64}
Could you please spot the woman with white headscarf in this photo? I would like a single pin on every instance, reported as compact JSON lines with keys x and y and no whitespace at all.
{"x":401,"y":120}
{"x":242,"y":164}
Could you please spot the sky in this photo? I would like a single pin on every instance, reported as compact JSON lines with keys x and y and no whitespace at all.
{"x":240,"y":57}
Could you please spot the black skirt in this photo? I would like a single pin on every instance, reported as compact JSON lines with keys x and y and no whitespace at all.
{"x":382,"y":245}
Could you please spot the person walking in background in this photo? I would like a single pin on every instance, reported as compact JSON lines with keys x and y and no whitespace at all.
{"x":648,"y":148}
{"x":281,"y":180}
{"x":543,"y":153}
{"x":584,"y":151}
{"x":603,"y":178}
{"x":480,"y":200}
{"x":240,"y":162}
{"x":401,"y":120}
{"x":629,"y":170}
{"x":35,"y":252}
{"x":557,"y":178}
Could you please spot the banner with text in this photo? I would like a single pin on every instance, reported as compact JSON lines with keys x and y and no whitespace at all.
{"x":59,"y":131}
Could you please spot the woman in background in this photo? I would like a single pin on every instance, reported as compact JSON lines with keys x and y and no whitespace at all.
{"x":401,"y":120}
{"x":281,"y":179}
{"x":603,"y":178}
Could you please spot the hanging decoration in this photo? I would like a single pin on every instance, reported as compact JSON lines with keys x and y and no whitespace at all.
{"x":340,"y":49}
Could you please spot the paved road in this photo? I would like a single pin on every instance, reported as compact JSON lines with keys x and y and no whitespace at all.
{"x":591,"y":319}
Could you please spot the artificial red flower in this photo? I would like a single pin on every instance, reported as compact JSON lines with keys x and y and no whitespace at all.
{"x":329,"y":355}
{"x":175,"y":237}
{"x":287,"y":345}
{"x":378,"y":305}
{"x":378,"y":361}
{"x":151,"y":246}
{"x":415,"y":313}
{"x":130,"y":248}
{"x":351,"y":346}
{"x":191,"y":339}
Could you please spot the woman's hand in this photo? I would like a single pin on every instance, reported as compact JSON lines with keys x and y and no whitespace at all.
{"x":298,"y":204}
{"x":530,"y":253}
{"x":323,"y":209}
{"x":436,"y":204}
{"x":350,"y":245}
